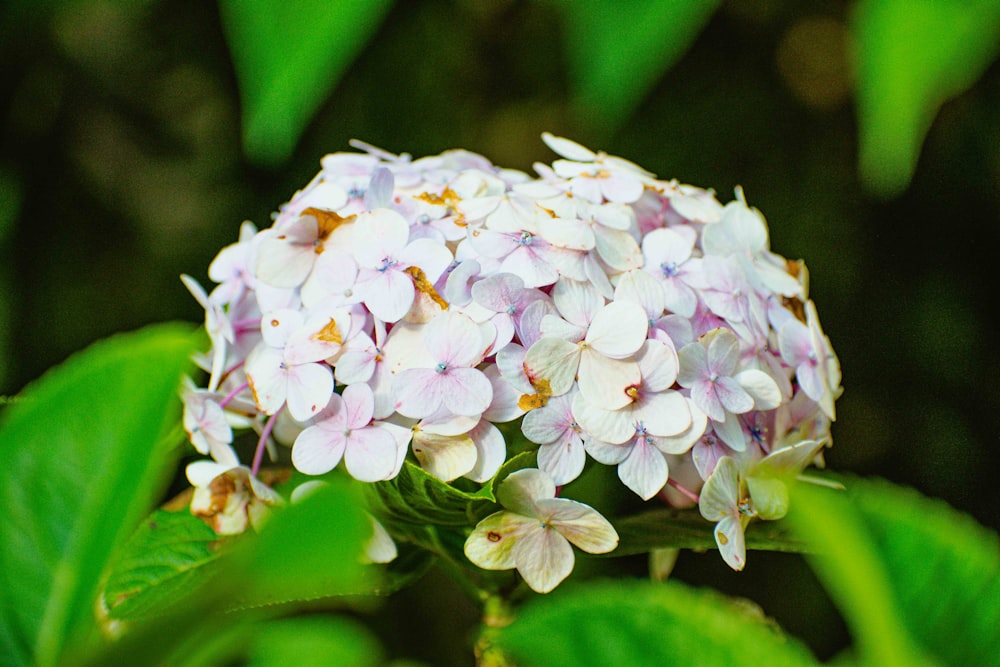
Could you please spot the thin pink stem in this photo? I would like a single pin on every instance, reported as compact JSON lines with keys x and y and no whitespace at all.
{"x":231,"y":395}
{"x":262,"y":443}
{"x":691,"y":495}
{"x":233,"y":368}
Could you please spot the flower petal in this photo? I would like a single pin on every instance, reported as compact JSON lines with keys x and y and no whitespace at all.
{"x":566,"y":233}
{"x":309,"y":389}
{"x":770,"y":497}
{"x":491,"y":451}
{"x":613,"y":426}
{"x":640,"y":288}
{"x":617,"y":249}
{"x":380,"y":548}
{"x":718,"y":498}
{"x":608,"y":453}
{"x":693,"y":360}
{"x":522,"y":488}
{"x":578,"y":302}
{"x":723,"y":351}
{"x":285,"y":257}
{"x":733,"y":397}
{"x":371,"y":454}
{"x":452,"y":338}
{"x":419,"y":392}
{"x":789,"y":461}
{"x":731,"y":543}
{"x":268,"y":383}
{"x":444,"y":456}
{"x":490,"y":545}
{"x":544,"y":558}
{"x":379,"y":234}
{"x":580,"y":524}
{"x":618,"y":329}
{"x":603,"y":381}
{"x":730,"y":431}
{"x":278,"y":325}
{"x":431,"y":256}
{"x":466,"y":391}
{"x":663,"y":414}
{"x":568,"y":148}
{"x":317,"y":450}
{"x":761,"y":387}
{"x":680,"y":443}
{"x":658,"y":364}
{"x":498,"y":292}
{"x":563,"y":459}
{"x":359,"y":400}
{"x":387,"y":294}
{"x":645,"y":469}
{"x":554,"y":360}
{"x":548,"y":423}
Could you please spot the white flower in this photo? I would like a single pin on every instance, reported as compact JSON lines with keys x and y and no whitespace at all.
{"x":228,"y":496}
{"x":286,"y":366}
{"x":205,"y":422}
{"x":807,"y":349}
{"x":723,"y":499}
{"x":391,"y":267}
{"x":709,"y":369}
{"x":534,"y":532}
{"x":560,"y":438}
{"x":455,"y":346}
{"x":601,"y":359}
{"x":287,"y":254}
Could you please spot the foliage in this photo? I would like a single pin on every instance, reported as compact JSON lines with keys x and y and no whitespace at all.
{"x":916,"y":580}
{"x":73,"y":485}
{"x":643,"y":623}
{"x":910,"y":58}
{"x":288,"y":58}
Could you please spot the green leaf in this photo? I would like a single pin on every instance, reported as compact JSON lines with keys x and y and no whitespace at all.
{"x":160,"y":563}
{"x":908,"y":573}
{"x":617,"y":49}
{"x":851,"y":570}
{"x":643,"y":623}
{"x":81,"y":467}
{"x":687,"y":529}
{"x":416,"y":496}
{"x":308,"y":550}
{"x":411,"y":564}
{"x":513,"y":464}
{"x":288,"y":57}
{"x":313,"y":642}
{"x":911,"y":57}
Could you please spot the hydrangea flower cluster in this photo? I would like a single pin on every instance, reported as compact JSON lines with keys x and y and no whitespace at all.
{"x":402,"y":305}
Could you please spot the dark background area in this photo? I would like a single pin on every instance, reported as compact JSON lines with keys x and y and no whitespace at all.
{"x":121,"y":167}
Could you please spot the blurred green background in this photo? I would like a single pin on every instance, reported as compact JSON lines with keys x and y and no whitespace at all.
{"x":122,"y":165}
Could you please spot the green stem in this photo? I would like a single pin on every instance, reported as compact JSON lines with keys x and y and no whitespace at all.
{"x":455,"y":571}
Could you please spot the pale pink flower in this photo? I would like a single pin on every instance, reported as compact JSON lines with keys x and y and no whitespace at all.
{"x":390,"y":264}
{"x":560,"y":438}
{"x":454,"y":343}
{"x":344,"y":429}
